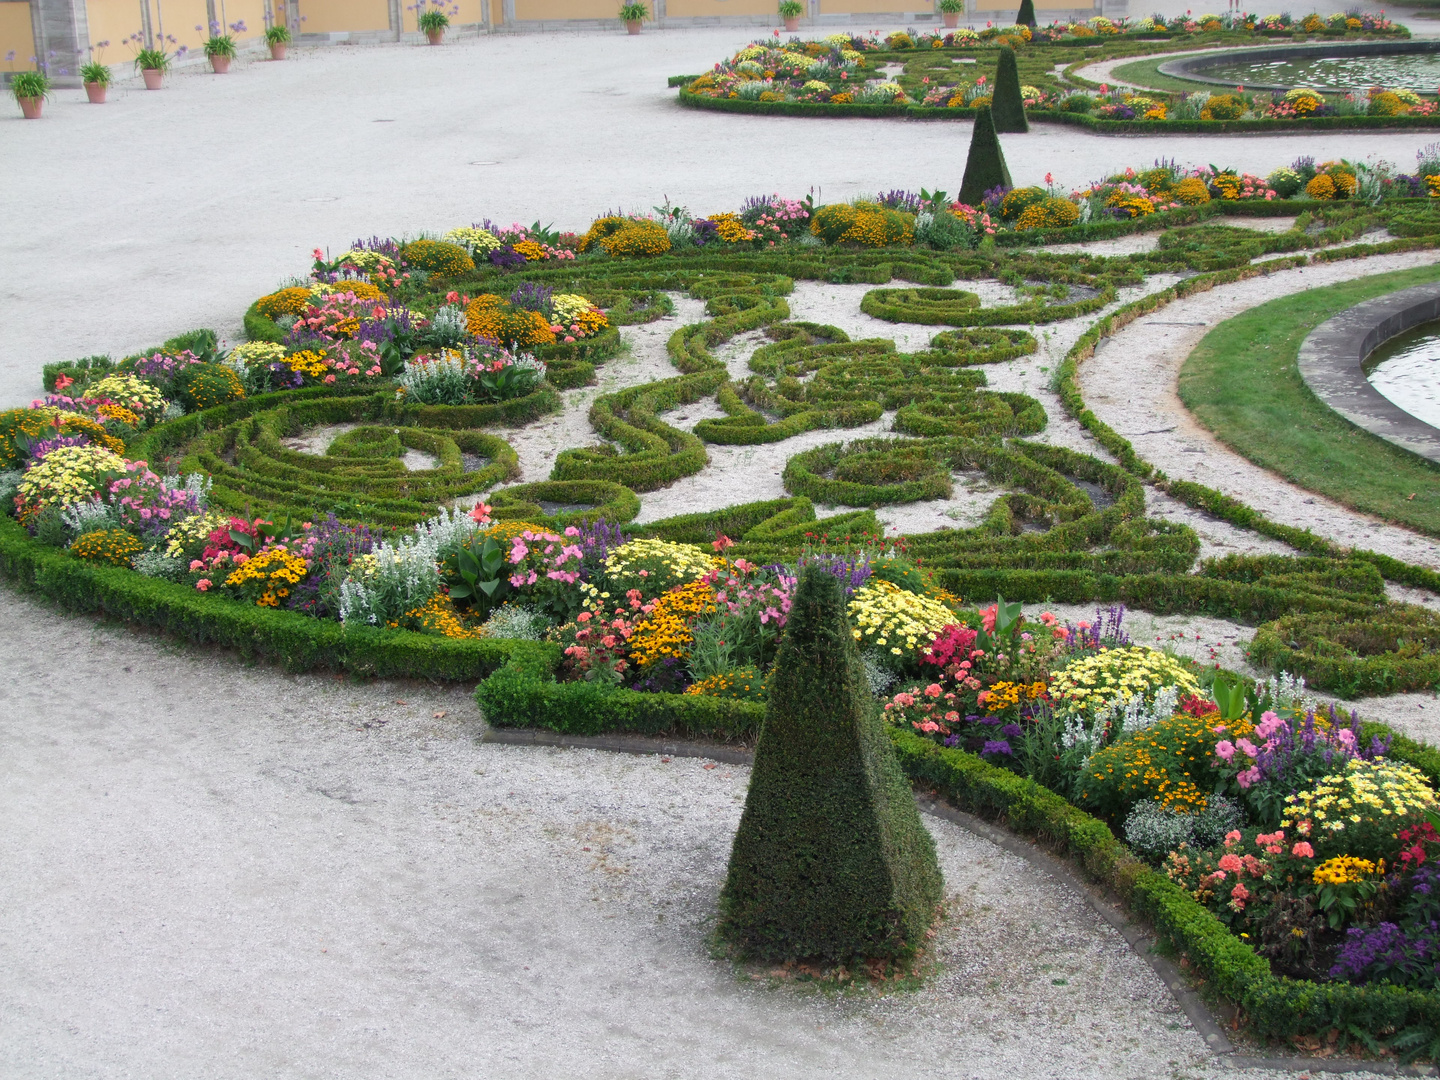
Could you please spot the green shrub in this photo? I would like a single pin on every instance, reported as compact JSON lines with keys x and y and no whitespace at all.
{"x":831,"y":861}
{"x":985,"y":165}
{"x":565,"y":502}
{"x":1007,"y":109}
{"x":203,"y":386}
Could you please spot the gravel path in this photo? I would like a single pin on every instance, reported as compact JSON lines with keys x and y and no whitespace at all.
{"x":1131,"y":384}
{"x":211,"y":870}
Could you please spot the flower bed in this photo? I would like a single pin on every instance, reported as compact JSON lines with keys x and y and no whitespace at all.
{"x":844,"y":75}
{"x":325,"y":495}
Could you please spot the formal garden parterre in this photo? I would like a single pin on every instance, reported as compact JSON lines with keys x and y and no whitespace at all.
{"x":1038,"y":72}
{"x":1285,"y":848}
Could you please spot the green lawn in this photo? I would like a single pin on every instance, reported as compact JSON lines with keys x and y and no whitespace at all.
{"x":1146,"y":73}
{"x":1243,"y":384}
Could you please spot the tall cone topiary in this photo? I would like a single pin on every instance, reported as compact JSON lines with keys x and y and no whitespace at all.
{"x":831,"y":862}
{"x":985,"y":167}
{"x":1027,"y":14}
{"x":1007,"y":108}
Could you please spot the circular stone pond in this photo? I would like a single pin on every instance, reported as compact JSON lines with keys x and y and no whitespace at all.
{"x":1410,"y":65}
{"x":1406,"y":369}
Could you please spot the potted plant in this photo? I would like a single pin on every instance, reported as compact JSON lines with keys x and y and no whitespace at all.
{"x":220,"y":48}
{"x":433,"y":22}
{"x":632,"y":14}
{"x":278,"y":38}
{"x":790,"y":11}
{"x":31,"y":89}
{"x":95,"y":76}
{"x":152,"y":65}
{"x":950,"y":12}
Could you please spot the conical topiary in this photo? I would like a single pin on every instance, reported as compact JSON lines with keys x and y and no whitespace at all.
{"x":985,"y":167}
{"x":831,"y":862}
{"x":1006,"y":108}
{"x":1027,"y":14}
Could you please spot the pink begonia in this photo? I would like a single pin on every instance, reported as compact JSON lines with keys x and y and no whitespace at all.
{"x":1303,"y":850}
{"x":1239,"y":892}
{"x":933,"y":690}
{"x":196,"y":564}
{"x":952,"y":717}
{"x":1225,"y":749}
{"x":1231,"y":862}
{"x":1232,"y":836}
{"x":203,"y":584}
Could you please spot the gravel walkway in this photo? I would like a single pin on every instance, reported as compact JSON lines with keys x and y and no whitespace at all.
{"x":210,"y":870}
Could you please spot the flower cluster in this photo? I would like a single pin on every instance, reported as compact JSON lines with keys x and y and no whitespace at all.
{"x":885,"y":616}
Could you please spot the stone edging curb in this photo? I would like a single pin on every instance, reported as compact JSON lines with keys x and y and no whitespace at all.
{"x":1331,"y":356}
{"x":1204,"y":1021}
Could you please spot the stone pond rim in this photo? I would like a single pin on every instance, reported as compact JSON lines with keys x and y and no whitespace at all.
{"x":1331,"y":362}
{"x":1193,"y":67}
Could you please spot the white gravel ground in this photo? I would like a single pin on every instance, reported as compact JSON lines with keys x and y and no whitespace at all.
{"x":217,"y":871}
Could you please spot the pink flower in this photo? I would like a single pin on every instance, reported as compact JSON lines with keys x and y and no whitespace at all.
{"x":1225,"y":749}
{"x":1248,"y":747}
{"x":1249,"y":776}
{"x":1239,"y":892}
{"x":933,"y":690}
{"x":196,"y":564}
{"x":480,"y":514}
{"x":203,"y":584}
{"x":1269,"y":724}
{"x":1232,"y":836}
{"x":1231,"y":862}
{"x":1303,"y":850}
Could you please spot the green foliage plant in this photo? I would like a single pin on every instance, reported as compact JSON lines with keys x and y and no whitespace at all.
{"x":432,"y":20}
{"x":985,"y":166}
{"x":222,"y":45}
{"x":152,"y":60}
{"x":831,"y":861}
{"x":278,"y":35}
{"x":95,"y":72}
{"x":952,"y":7}
{"x":1026,"y":15}
{"x":29,"y":84}
{"x":1007,"y":110}
{"x":791,"y":9}
{"x":633,"y":12}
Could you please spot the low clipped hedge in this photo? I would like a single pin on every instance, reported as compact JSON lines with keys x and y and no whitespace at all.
{"x":1388,"y":652}
{"x":296,"y":642}
{"x":614,"y":503}
{"x":1097,"y":124}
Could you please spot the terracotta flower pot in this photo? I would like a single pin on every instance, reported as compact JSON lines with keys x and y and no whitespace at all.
{"x":632,"y":26}
{"x":95,"y":91}
{"x":277,"y":51}
{"x":153,"y":78}
{"x":221,"y":64}
{"x":792,"y":24}
{"x":952,"y":19}
{"x":435,"y":36}
{"x":31,"y":107}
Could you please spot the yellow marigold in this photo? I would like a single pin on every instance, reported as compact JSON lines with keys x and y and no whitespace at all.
{"x":74,"y":424}
{"x":842,"y":98}
{"x":745,"y":684}
{"x":277,"y":571}
{"x":112,"y":411}
{"x":1321,"y":187}
{"x":532,"y":251}
{"x":114,"y":546}
{"x":362,"y":290}
{"x":1192,"y":191}
{"x":666,"y":630}
{"x":438,"y":257}
{"x":438,"y":616}
{"x":638,"y":239}
{"x":504,"y":531}
{"x":290,"y":301}
{"x":1048,"y":214}
{"x":731,"y":229}
{"x":1432,"y":185}
{"x":1345,"y":184}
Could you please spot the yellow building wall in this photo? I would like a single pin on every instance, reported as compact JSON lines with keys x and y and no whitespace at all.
{"x":878,"y":7}
{"x":112,"y":21}
{"x":250,"y":12}
{"x":569,"y":9}
{"x":17,"y":36}
{"x":336,"y":16}
{"x":471,"y":12}
{"x":1040,"y":5}
{"x":690,"y":8}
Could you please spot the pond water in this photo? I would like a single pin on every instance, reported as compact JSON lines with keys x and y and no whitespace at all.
{"x":1406,"y":369}
{"x":1414,"y":71}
